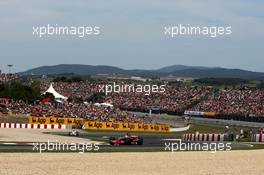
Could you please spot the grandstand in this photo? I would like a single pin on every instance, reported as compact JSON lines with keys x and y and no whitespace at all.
{"x":229,"y":103}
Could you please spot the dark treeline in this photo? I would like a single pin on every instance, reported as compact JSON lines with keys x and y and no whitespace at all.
{"x":69,"y":79}
{"x":19,"y":92}
{"x":261,"y":85}
{"x":221,"y":81}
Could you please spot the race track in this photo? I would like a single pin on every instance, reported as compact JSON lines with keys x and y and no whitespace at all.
{"x":152,"y":141}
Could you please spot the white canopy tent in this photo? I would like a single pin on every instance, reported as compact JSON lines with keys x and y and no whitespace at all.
{"x":56,"y":94}
{"x":104,"y":105}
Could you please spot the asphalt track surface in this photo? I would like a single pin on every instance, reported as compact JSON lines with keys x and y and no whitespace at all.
{"x":151,"y":141}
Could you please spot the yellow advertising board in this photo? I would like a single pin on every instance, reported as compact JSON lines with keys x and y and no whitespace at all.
{"x":210,"y":114}
{"x":119,"y":126}
{"x":111,"y":126}
{"x":55,"y":120}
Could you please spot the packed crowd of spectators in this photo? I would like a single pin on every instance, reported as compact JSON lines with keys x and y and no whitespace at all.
{"x":174,"y":99}
{"x":82,"y":90}
{"x":88,"y":111}
{"x":5,"y":78}
{"x":234,"y":101}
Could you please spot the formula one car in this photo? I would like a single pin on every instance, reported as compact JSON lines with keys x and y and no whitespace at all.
{"x":74,"y":133}
{"x":126,"y":140}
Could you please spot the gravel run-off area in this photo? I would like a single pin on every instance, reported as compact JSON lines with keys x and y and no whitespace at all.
{"x":198,"y":163}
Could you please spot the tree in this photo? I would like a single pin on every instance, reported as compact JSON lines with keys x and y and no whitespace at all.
{"x":261,"y":85}
{"x":18,"y":91}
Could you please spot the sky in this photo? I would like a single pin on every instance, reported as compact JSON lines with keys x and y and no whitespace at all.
{"x":132,"y":33}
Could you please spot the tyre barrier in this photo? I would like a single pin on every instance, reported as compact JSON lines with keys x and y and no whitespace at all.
{"x":206,"y":137}
{"x":32,"y":126}
{"x":257,"y":138}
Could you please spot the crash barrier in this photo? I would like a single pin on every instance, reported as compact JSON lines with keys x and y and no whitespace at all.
{"x":119,"y":126}
{"x":257,"y":138}
{"x":180,"y":129}
{"x":199,"y":113}
{"x":55,"y":120}
{"x":32,"y":126}
{"x":206,"y":137}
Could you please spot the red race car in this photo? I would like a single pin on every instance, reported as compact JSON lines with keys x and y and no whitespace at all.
{"x":126,"y":140}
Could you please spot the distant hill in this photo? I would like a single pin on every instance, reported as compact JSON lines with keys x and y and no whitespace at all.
{"x":218,"y":73}
{"x":75,"y":69}
{"x":175,"y":70}
{"x":170,"y":69}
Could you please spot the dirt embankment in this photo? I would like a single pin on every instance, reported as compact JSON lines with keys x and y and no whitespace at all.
{"x":8,"y":118}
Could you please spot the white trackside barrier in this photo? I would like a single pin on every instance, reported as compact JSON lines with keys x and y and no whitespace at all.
{"x":180,"y":129}
{"x":32,"y":126}
{"x":205,"y":137}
